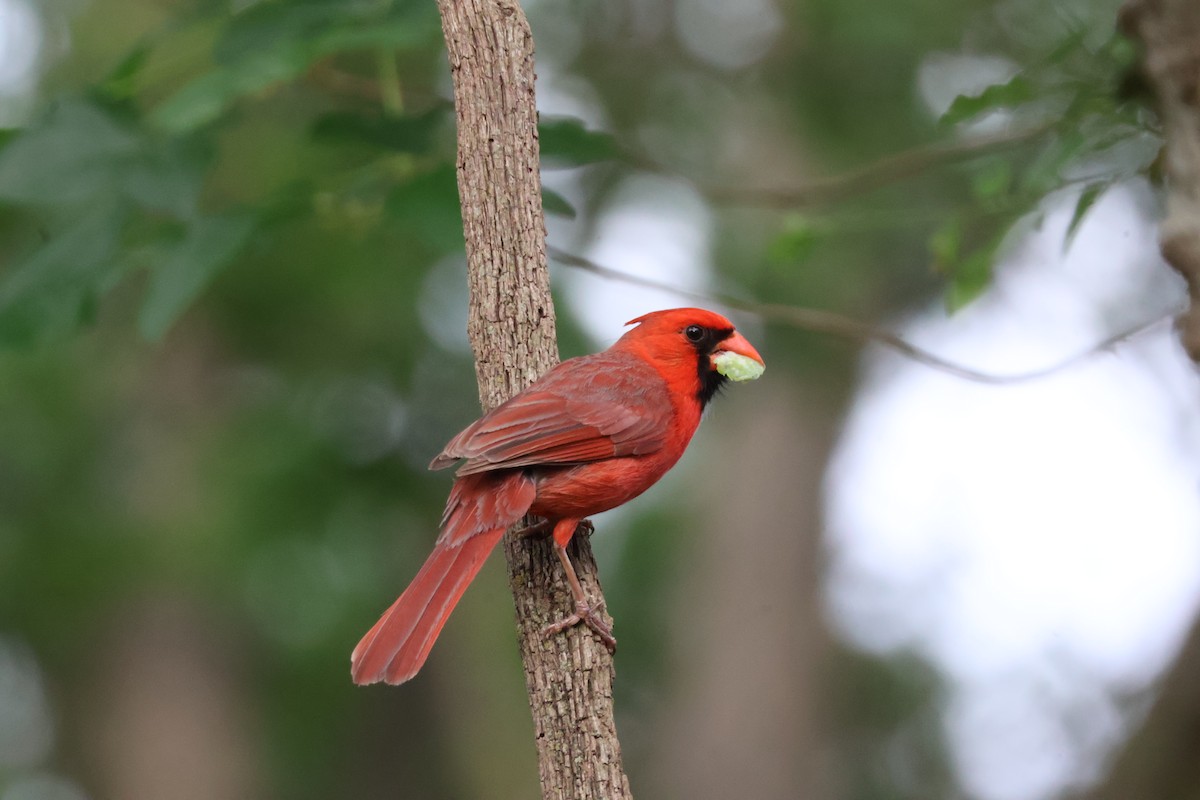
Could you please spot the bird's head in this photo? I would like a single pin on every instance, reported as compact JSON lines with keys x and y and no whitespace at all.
{"x":702,"y":340}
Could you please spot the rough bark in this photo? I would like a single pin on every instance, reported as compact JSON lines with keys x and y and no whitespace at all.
{"x":512,"y":331}
{"x":1162,"y":759}
{"x":1170,"y":33}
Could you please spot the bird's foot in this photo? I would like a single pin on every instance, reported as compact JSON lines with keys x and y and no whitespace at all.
{"x":589,"y":616}
{"x":542,"y":528}
{"x":534,"y":530}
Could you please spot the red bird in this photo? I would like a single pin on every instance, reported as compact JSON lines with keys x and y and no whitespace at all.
{"x":592,"y":433}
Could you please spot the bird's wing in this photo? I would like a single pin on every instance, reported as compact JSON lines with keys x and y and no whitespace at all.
{"x":586,"y":409}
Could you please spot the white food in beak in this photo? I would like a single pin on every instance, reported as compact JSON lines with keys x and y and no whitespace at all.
{"x":736,"y":366}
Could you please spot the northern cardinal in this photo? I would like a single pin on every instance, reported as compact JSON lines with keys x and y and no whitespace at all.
{"x":592,"y":433}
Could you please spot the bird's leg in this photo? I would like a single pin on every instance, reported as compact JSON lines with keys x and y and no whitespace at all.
{"x":542,"y":528}
{"x":584,"y":612}
{"x":539,"y":530}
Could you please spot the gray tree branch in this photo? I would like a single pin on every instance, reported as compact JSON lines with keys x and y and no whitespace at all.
{"x":511,"y":327}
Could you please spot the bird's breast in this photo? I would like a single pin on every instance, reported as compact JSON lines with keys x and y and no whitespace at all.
{"x":586,"y":489}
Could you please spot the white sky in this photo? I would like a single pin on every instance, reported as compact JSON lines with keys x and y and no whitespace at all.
{"x":652,"y":226}
{"x":20,"y":40}
{"x":655,"y":228}
{"x":1040,"y":543}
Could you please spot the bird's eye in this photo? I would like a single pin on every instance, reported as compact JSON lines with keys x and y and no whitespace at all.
{"x":694,"y":333}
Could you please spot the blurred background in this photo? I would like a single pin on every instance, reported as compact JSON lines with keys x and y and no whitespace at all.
{"x":232,"y":335}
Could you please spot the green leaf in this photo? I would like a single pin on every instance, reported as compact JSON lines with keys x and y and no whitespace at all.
{"x":1121,"y":51}
{"x":794,"y":243}
{"x":1044,"y":173}
{"x":329,"y":25}
{"x":991,"y":181}
{"x":555,"y":203}
{"x":428,"y":206}
{"x":209,"y":244}
{"x":1087,"y":199}
{"x":206,"y":98}
{"x":275,"y":42}
{"x":274,"y":24}
{"x":972,"y":275}
{"x":121,"y":83}
{"x":414,"y":134}
{"x":79,"y":155}
{"x":50,"y":291}
{"x":945,"y":244}
{"x":1002,"y":95}
{"x":567,"y":142}
{"x":69,"y":157}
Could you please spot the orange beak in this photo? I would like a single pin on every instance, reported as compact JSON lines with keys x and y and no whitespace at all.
{"x":737,"y":360}
{"x":740,"y":345}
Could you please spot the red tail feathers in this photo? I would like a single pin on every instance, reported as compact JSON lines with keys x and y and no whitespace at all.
{"x":398,"y":645}
{"x":481,"y":507}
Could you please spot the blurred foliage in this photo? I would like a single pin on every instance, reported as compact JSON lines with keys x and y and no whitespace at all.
{"x":1067,"y":120}
{"x":109,"y":182}
{"x":1089,"y":134}
{"x":229,"y":235}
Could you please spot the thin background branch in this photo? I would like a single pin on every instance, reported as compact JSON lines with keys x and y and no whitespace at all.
{"x":830,"y":322}
{"x":867,"y":178}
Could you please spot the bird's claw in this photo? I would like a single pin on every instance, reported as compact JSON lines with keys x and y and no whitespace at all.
{"x":534,"y":530}
{"x":542,"y":528}
{"x":590,"y":617}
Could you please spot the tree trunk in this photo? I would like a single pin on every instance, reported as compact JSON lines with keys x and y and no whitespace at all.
{"x":1170,"y":33}
{"x":512,"y":331}
{"x":1162,"y":758}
